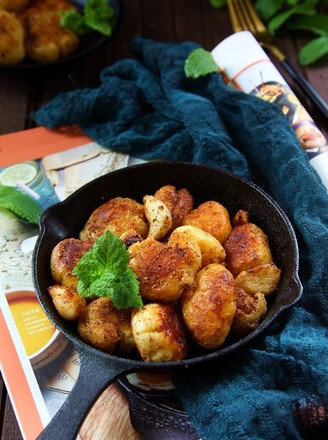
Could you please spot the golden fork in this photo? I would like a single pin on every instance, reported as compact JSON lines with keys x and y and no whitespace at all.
{"x":244,"y":17}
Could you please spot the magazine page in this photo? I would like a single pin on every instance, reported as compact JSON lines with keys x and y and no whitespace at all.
{"x":245,"y":66}
{"x":39,"y":365}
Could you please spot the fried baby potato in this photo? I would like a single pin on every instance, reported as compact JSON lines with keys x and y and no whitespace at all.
{"x":211,"y":249}
{"x":159,"y":333}
{"x":68,"y":303}
{"x":164,"y":270}
{"x":264,"y":278}
{"x":14,"y":5}
{"x":118,"y":215}
{"x":107,"y":328}
{"x":209,"y":306}
{"x":250,"y":310}
{"x":46,"y":41}
{"x":212,"y":217}
{"x":159,"y":217}
{"x":12,"y":49}
{"x":64,"y":258}
{"x":179,"y":201}
{"x":246,"y":248}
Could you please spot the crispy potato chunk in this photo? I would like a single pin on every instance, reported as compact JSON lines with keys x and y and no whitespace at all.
{"x":213,"y":218}
{"x":208,"y":307}
{"x":64,"y":258}
{"x":130,"y":237}
{"x":46,"y":41}
{"x":12,"y":49}
{"x":159,"y":332}
{"x":211,"y":249}
{"x":67,"y":302}
{"x":249,"y":312}
{"x":107,"y":328}
{"x":14,"y":5}
{"x":180,"y":202}
{"x":246,"y":248}
{"x":264,"y":278}
{"x":164,"y":271}
{"x":241,"y":217}
{"x":118,"y":215}
{"x":159,"y":217}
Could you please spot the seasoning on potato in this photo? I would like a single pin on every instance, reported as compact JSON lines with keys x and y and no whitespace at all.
{"x":201,"y":277}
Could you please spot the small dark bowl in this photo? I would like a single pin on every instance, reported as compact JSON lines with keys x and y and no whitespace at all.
{"x":67,"y":218}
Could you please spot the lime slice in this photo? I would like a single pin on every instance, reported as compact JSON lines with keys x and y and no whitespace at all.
{"x":24,"y":172}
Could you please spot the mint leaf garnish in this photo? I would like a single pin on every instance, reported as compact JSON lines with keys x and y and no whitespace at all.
{"x":20,"y":204}
{"x":103,"y":271}
{"x":200,"y":62}
{"x":97,"y":16}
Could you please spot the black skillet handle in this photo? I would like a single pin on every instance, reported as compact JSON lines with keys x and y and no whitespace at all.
{"x":95,"y":374}
{"x":306,"y":87}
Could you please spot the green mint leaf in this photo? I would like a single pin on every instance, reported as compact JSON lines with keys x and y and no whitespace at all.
{"x":218,"y":3}
{"x":280,"y":19}
{"x":318,"y":24}
{"x":313,"y":51}
{"x":97,"y":16}
{"x":266,"y":9}
{"x":73,"y":21}
{"x":200,"y":62}
{"x":20,"y":204}
{"x":103,"y":271}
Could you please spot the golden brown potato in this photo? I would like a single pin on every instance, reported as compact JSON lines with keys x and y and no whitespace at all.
{"x":67,"y":302}
{"x":46,"y":41}
{"x":14,"y":5}
{"x":164,"y":271}
{"x":130,"y":237}
{"x":159,"y":332}
{"x":211,"y":249}
{"x":12,"y":49}
{"x":107,"y":328}
{"x":118,"y":215}
{"x":241,"y":217}
{"x":64,"y":258}
{"x":208,"y":307}
{"x":180,"y":202}
{"x":246,"y":248}
{"x":212,"y":217}
{"x":249,"y":312}
{"x":159,"y":217}
{"x":264,"y":278}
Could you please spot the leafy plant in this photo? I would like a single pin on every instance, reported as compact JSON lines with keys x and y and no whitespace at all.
{"x":23,"y":206}
{"x":103,"y":271}
{"x":296,"y":15}
{"x":97,"y":16}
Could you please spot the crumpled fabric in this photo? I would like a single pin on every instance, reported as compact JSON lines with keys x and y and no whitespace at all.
{"x":149,"y":109}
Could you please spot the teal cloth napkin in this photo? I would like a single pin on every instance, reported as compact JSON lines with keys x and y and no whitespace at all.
{"x":278,"y":386}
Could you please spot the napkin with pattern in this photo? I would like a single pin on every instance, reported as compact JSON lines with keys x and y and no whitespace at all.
{"x":278,"y":386}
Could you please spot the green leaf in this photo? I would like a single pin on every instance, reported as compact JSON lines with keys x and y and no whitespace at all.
{"x":266,"y":9}
{"x":20,"y":204}
{"x":218,"y":3}
{"x":314,"y":50}
{"x":200,"y":62}
{"x":280,"y":19}
{"x":74,"y":21}
{"x":97,"y":16}
{"x":317,"y":24}
{"x":103,"y":271}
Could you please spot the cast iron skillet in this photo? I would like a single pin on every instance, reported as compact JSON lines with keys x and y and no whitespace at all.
{"x":67,"y":218}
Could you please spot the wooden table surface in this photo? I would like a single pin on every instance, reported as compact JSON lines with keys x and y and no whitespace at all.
{"x":172,"y":20}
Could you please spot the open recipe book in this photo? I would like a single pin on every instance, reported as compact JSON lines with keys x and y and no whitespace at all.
{"x":39,"y":365}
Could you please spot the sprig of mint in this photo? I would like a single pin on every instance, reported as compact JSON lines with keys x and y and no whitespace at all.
{"x":20,"y":204}
{"x":103,"y":271}
{"x":297,"y":15}
{"x":199,"y":62}
{"x":97,"y":16}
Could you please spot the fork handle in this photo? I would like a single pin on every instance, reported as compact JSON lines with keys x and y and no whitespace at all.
{"x":306,"y":87}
